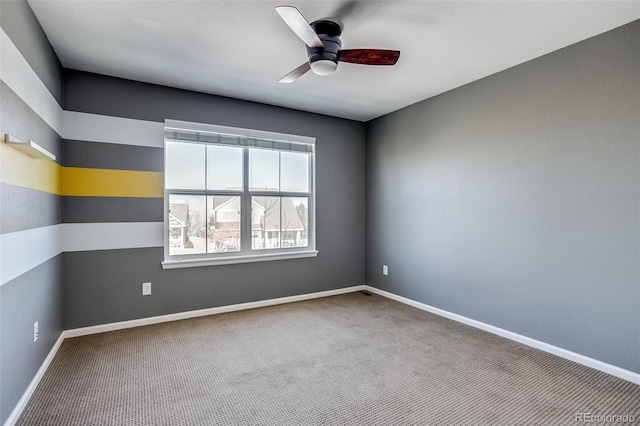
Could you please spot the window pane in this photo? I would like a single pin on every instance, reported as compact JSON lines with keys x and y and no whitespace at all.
{"x":185,"y":165}
{"x":223,"y":224}
{"x":294,"y":172}
{"x":265,"y":222}
{"x":224,"y":168}
{"x":265,"y":170}
{"x":295,"y":222}
{"x":187,"y":224}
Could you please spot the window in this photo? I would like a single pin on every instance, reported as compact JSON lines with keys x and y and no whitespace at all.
{"x":236,"y":195}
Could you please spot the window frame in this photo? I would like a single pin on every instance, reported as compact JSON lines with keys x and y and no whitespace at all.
{"x":247,"y":253}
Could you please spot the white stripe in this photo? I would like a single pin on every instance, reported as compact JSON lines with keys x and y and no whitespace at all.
{"x":20,"y":77}
{"x":110,"y":236}
{"x":103,"y":128}
{"x":555,"y":350}
{"x":24,"y":250}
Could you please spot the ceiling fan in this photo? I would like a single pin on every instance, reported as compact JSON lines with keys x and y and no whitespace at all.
{"x":324,"y":47}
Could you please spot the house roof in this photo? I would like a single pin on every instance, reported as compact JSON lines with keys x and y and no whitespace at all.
{"x":180,"y":212}
{"x":288,"y":211}
{"x":221,"y":202}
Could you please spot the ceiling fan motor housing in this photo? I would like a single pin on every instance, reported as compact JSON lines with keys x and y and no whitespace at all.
{"x":324,"y":60}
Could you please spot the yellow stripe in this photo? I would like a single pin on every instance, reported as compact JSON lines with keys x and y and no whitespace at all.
{"x":19,"y":169}
{"x":111,"y":183}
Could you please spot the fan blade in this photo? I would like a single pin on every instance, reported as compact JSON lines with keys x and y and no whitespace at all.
{"x":295,"y":74}
{"x":369,"y":56}
{"x":294,"y":19}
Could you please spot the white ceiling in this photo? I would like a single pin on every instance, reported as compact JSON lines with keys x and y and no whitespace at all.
{"x":241,"y":48}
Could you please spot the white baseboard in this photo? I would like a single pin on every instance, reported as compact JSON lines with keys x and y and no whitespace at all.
{"x":204,"y":312}
{"x":17,"y":411}
{"x":555,"y":350}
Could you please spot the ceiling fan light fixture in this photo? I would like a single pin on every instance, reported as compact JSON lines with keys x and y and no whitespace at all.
{"x":324,"y":47}
{"x":324,"y":67}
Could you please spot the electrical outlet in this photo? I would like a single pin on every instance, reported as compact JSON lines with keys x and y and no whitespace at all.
{"x":385,"y":270}
{"x":35,"y":331}
{"x":146,"y":289}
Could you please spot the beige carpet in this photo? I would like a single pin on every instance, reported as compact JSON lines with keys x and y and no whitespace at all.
{"x":347,"y":360}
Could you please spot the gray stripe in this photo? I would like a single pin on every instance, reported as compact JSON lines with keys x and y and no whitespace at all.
{"x":112,"y":156}
{"x":34,"y":296}
{"x":112,"y":209}
{"x":19,"y":120}
{"x":24,"y":208}
{"x":22,"y":27}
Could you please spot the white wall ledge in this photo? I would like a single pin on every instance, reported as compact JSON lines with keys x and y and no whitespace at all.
{"x":192,"y":263}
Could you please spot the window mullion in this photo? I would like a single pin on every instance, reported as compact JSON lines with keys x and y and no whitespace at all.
{"x":206,"y":203}
{"x":280,"y":233}
{"x":311,"y":199}
{"x":279,"y":171}
{"x":280,"y":199}
{"x":245,"y":205}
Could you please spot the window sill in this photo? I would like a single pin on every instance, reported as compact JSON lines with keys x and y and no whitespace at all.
{"x":192,"y":263}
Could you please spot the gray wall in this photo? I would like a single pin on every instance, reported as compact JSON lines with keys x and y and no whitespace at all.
{"x":105,"y":286}
{"x":36,"y":295}
{"x":515,"y":200}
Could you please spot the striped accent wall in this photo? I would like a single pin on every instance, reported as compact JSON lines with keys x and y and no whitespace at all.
{"x":112,"y":183}
{"x":96,"y":188}
{"x":31,"y":282}
{"x":103,"y":188}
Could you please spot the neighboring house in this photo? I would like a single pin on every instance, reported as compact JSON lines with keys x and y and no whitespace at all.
{"x":225,"y":210}
{"x":178,"y":224}
{"x":277,"y":224}
{"x":274,"y":224}
{"x":224,"y":224}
